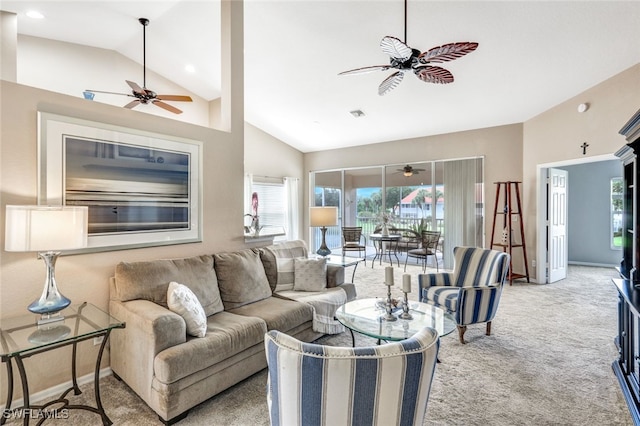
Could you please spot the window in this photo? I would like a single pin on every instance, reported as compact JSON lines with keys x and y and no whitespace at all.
{"x":277,"y":203}
{"x":616,"y":213}
{"x":271,"y":203}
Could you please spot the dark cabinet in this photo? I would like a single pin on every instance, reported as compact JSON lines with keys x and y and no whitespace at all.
{"x":627,"y":365}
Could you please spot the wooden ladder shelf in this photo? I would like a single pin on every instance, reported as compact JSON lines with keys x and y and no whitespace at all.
{"x":509,"y":215}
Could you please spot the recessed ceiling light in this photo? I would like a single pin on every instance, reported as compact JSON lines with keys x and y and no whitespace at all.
{"x":190,"y":68}
{"x":34,"y":14}
{"x":357,"y":113}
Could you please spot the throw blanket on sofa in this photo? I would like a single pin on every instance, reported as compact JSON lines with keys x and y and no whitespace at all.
{"x":325,"y":304}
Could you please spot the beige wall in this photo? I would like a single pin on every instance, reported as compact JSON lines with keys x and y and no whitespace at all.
{"x":265,"y":155}
{"x":501,"y":147}
{"x":85,"y":277}
{"x":556,"y":135}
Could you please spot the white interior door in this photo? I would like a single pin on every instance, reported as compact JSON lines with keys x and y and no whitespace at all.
{"x":557,"y":224}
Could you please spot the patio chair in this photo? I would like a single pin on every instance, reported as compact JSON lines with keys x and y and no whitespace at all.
{"x":428,"y":247}
{"x":353,"y":240}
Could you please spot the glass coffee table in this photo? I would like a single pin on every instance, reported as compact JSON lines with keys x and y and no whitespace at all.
{"x":364,"y":316}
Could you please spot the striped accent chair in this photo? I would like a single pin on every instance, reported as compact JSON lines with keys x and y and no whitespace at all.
{"x":313,"y":385}
{"x":472,"y":291}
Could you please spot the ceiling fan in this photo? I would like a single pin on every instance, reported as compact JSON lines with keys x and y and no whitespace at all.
{"x":405,"y":59}
{"x":142,"y":94}
{"x":409,"y":171}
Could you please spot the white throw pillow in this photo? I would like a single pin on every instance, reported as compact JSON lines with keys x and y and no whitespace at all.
{"x":310,"y":274}
{"x":183,"y":302}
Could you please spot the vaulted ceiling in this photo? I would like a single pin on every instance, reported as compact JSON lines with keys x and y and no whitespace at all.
{"x":532,"y":55}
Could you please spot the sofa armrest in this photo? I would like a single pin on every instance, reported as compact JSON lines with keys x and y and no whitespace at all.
{"x":335,"y":275}
{"x":150,"y":329}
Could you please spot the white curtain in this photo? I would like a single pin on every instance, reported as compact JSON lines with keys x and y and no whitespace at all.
{"x":463,"y":198}
{"x":248,"y":179}
{"x":292,"y":213}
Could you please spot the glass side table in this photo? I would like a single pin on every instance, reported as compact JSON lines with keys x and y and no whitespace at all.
{"x":344,"y":261}
{"x":21,"y":337}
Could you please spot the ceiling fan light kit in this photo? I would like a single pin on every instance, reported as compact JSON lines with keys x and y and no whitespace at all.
{"x":143,"y":95}
{"x":404,"y":59}
{"x":409,"y":171}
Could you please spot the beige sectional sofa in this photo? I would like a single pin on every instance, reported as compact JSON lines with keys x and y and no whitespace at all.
{"x":243,"y":294}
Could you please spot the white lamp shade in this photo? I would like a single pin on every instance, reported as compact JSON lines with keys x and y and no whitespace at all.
{"x":45,"y":228}
{"x":323,"y":216}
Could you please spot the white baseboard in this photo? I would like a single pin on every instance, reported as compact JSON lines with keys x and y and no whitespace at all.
{"x":599,"y":265}
{"x":55,"y":391}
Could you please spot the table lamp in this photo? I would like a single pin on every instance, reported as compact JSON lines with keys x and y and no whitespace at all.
{"x":323,"y":217}
{"x":47,"y":230}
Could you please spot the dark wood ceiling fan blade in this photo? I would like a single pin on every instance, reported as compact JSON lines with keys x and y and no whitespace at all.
{"x":447,"y":52}
{"x":132,"y":104}
{"x":178,"y":98}
{"x":109,"y":93}
{"x":168,"y":107}
{"x":390,"y":83}
{"x":136,"y":88}
{"x":395,"y":48}
{"x":365,"y":70}
{"x":430,"y":74}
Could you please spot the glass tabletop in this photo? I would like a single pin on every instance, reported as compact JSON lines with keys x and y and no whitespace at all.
{"x":365,"y":317}
{"x":342,"y":260}
{"x":21,"y":334}
{"x":380,"y":237}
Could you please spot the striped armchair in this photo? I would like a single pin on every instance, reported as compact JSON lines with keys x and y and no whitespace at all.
{"x":472,"y":291}
{"x":313,"y":385}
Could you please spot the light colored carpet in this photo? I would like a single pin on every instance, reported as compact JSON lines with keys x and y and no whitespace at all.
{"x":547,"y":362}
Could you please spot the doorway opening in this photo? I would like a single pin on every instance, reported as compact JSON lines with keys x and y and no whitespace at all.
{"x":589,"y":215}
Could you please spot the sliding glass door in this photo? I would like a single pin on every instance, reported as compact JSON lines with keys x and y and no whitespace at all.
{"x":446,"y":196}
{"x":327,"y":191}
{"x":363,"y":197}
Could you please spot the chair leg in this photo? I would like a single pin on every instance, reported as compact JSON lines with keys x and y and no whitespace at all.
{"x":488,"y":328}
{"x":461,"y":331}
{"x":405,"y":263}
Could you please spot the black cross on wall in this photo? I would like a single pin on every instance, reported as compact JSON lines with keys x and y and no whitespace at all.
{"x":584,"y":147}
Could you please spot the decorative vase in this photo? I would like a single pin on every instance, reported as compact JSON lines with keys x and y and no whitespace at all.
{"x":385,"y":230}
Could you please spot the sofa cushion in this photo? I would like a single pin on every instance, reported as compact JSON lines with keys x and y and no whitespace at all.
{"x":285,"y":250}
{"x":150,"y":281}
{"x":183,"y":302}
{"x":241,"y":278}
{"x":227,"y":335}
{"x":279,"y":313}
{"x":310,"y":274}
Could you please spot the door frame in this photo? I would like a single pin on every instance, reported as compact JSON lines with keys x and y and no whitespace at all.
{"x":542,"y":207}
